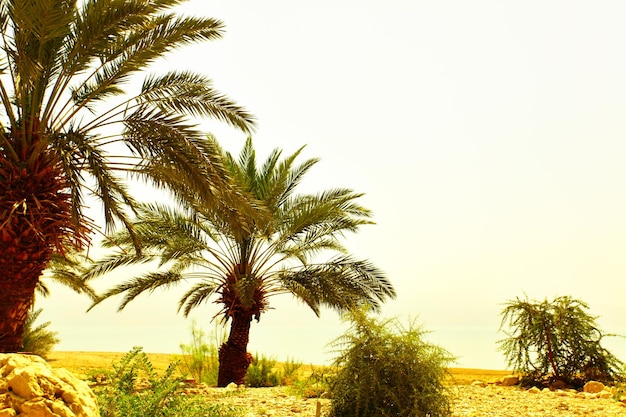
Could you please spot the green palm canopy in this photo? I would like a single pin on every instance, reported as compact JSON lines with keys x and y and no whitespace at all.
{"x":295,"y":250}
{"x":76,"y":119}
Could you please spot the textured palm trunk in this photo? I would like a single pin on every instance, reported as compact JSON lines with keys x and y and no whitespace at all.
{"x":21,"y":271}
{"x":35,"y":220}
{"x":234,"y":357}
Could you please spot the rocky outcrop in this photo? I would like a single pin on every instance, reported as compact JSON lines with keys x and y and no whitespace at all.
{"x":510,"y":380}
{"x":29,"y":387}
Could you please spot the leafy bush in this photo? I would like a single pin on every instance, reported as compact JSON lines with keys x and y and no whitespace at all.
{"x":555,"y":341}
{"x":200,"y":357}
{"x":267,"y":372}
{"x":38,"y":340}
{"x":289,"y":372}
{"x":387,"y":370}
{"x":262,"y":372}
{"x":135,"y":390}
{"x":317,"y":384}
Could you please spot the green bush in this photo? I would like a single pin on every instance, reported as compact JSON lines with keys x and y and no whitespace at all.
{"x":289,"y":372}
{"x":38,"y":340}
{"x":136,"y":390}
{"x":266,"y":372}
{"x":555,"y":341}
{"x":200,"y":357}
{"x":317,"y":384}
{"x":387,"y":370}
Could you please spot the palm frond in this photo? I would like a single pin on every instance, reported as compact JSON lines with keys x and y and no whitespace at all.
{"x":132,"y":288}
{"x":196,"y":295}
{"x":341,"y":283}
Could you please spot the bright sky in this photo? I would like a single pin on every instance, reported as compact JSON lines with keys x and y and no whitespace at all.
{"x":488,"y":136}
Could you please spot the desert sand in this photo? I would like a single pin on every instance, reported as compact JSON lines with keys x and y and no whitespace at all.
{"x":474,"y":393}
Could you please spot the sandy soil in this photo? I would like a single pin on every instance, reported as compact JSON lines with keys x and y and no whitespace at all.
{"x":84,"y":363}
{"x":469,"y":399}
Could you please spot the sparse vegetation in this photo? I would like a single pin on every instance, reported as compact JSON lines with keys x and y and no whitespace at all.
{"x":136,"y":390}
{"x":385,"y":369}
{"x":555,"y":340}
{"x":200,"y":357}
{"x":266,"y":372}
{"x":317,"y":383}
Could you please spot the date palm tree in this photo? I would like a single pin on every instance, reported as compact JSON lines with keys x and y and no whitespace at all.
{"x":69,"y":129}
{"x":296,"y":250}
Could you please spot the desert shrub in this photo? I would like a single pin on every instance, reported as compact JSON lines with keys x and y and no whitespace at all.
{"x":385,"y":369}
{"x":289,"y":371}
{"x":265,"y":371}
{"x":317,"y":384}
{"x":555,"y":341}
{"x":38,"y":339}
{"x":200,"y":357}
{"x":136,"y":390}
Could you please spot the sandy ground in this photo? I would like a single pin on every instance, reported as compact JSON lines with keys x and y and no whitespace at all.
{"x":84,"y":363}
{"x":468,"y":399}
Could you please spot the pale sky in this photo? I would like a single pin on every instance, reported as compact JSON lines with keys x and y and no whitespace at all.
{"x":488,"y":137}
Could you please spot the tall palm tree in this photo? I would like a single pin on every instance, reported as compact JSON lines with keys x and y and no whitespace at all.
{"x":69,"y":129}
{"x":241,"y":267}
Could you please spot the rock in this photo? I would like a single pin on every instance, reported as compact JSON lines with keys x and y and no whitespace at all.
{"x":231,"y":387}
{"x":29,"y":387}
{"x":534,"y":390}
{"x":479,"y":384}
{"x":593,"y":387}
{"x":558,"y":384}
{"x":509,"y":380}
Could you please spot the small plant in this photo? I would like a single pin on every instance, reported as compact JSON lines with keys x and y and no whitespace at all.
{"x":38,"y":340}
{"x":556,"y":341}
{"x":317,"y":384}
{"x":387,"y":370}
{"x":267,"y":372}
{"x":200,"y":357}
{"x":290,"y":369}
{"x":135,"y":390}
{"x":262,"y":372}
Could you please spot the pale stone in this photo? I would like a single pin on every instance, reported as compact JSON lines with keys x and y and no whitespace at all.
{"x":8,"y":412}
{"x":534,"y":390}
{"x":593,"y":387}
{"x":510,"y":380}
{"x":29,"y":387}
{"x":479,"y":384}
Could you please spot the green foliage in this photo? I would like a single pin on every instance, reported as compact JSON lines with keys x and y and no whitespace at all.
{"x":262,"y":372}
{"x":200,"y":357}
{"x":267,"y":372}
{"x":555,"y":341}
{"x":290,"y":371}
{"x":317,"y":384}
{"x":136,"y":390}
{"x":38,"y":339}
{"x":387,"y":370}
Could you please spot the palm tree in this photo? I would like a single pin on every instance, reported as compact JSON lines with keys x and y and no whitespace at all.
{"x":38,"y":339}
{"x":69,"y":129}
{"x":241,"y":267}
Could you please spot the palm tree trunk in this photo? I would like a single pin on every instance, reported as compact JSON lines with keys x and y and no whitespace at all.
{"x":234,"y":357}
{"x":35,"y":219}
{"x":20,"y":273}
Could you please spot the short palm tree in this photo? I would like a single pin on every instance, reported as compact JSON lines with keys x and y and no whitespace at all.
{"x":69,"y":130}
{"x":241,"y":267}
{"x":38,"y":339}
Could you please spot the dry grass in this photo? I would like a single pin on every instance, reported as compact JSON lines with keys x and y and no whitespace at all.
{"x":85,"y":363}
